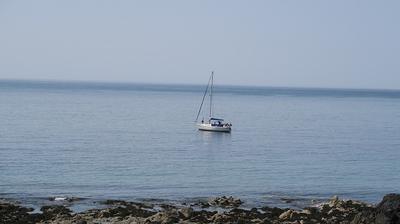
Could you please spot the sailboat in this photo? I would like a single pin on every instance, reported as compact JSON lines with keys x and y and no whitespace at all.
{"x":212,"y":124}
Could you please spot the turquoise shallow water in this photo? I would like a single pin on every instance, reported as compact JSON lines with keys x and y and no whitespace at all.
{"x":131,"y":141}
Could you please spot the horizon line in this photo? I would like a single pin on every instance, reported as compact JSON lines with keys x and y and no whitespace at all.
{"x":190,"y":84}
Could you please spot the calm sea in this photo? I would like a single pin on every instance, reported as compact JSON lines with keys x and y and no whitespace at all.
{"x":131,"y":141}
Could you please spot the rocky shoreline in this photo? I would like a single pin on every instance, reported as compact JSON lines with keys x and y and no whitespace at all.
{"x":216,"y":210}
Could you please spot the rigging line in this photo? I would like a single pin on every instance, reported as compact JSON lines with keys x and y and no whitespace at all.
{"x":204,"y":96}
{"x":211,"y":92}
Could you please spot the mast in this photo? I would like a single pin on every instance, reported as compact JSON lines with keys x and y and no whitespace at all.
{"x":211,"y":92}
{"x":204,"y":96}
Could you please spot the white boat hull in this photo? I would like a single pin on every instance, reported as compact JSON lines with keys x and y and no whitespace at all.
{"x":209,"y":127}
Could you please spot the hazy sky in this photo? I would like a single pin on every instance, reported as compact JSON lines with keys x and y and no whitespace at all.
{"x":341,"y":43}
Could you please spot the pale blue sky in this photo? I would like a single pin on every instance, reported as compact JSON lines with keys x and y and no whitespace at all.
{"x":341,"y":43}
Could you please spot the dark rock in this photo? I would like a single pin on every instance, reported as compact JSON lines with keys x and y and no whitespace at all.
{"x":386,"y":212}
{"x":390,"y":204}
{"x":13,"y":213}
{"x":225,"y":202}
{"x":55,"y":209}
{"x":80,"y":222}
{"x":126,"y":203}
{"x":367,"y":216}
{"x":202,"y":216}
{"x":266,"y":221}
{"x":164,"y":217}
{"x":247,"y":214}
{"x":204,"y":204}
{"x":221,"y":218}
{"x":52,"y":211}
{"x":168,"y":207}
{"x":124,"y":211}
{"x":185,"y":213}
{"x":237,"y":215}
{"x":287,"y":200}
{"x":273,"y":212}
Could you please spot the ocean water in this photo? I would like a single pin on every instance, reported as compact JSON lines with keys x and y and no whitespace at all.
{"x":137,"y":141}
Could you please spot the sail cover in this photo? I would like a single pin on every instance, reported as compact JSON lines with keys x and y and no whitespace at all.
{"x":216,"y":119}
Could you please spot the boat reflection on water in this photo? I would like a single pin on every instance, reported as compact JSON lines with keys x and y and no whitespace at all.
{"x":210,"y":137}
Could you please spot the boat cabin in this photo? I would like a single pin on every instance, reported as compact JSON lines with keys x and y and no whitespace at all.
{"x":217,"y":122}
